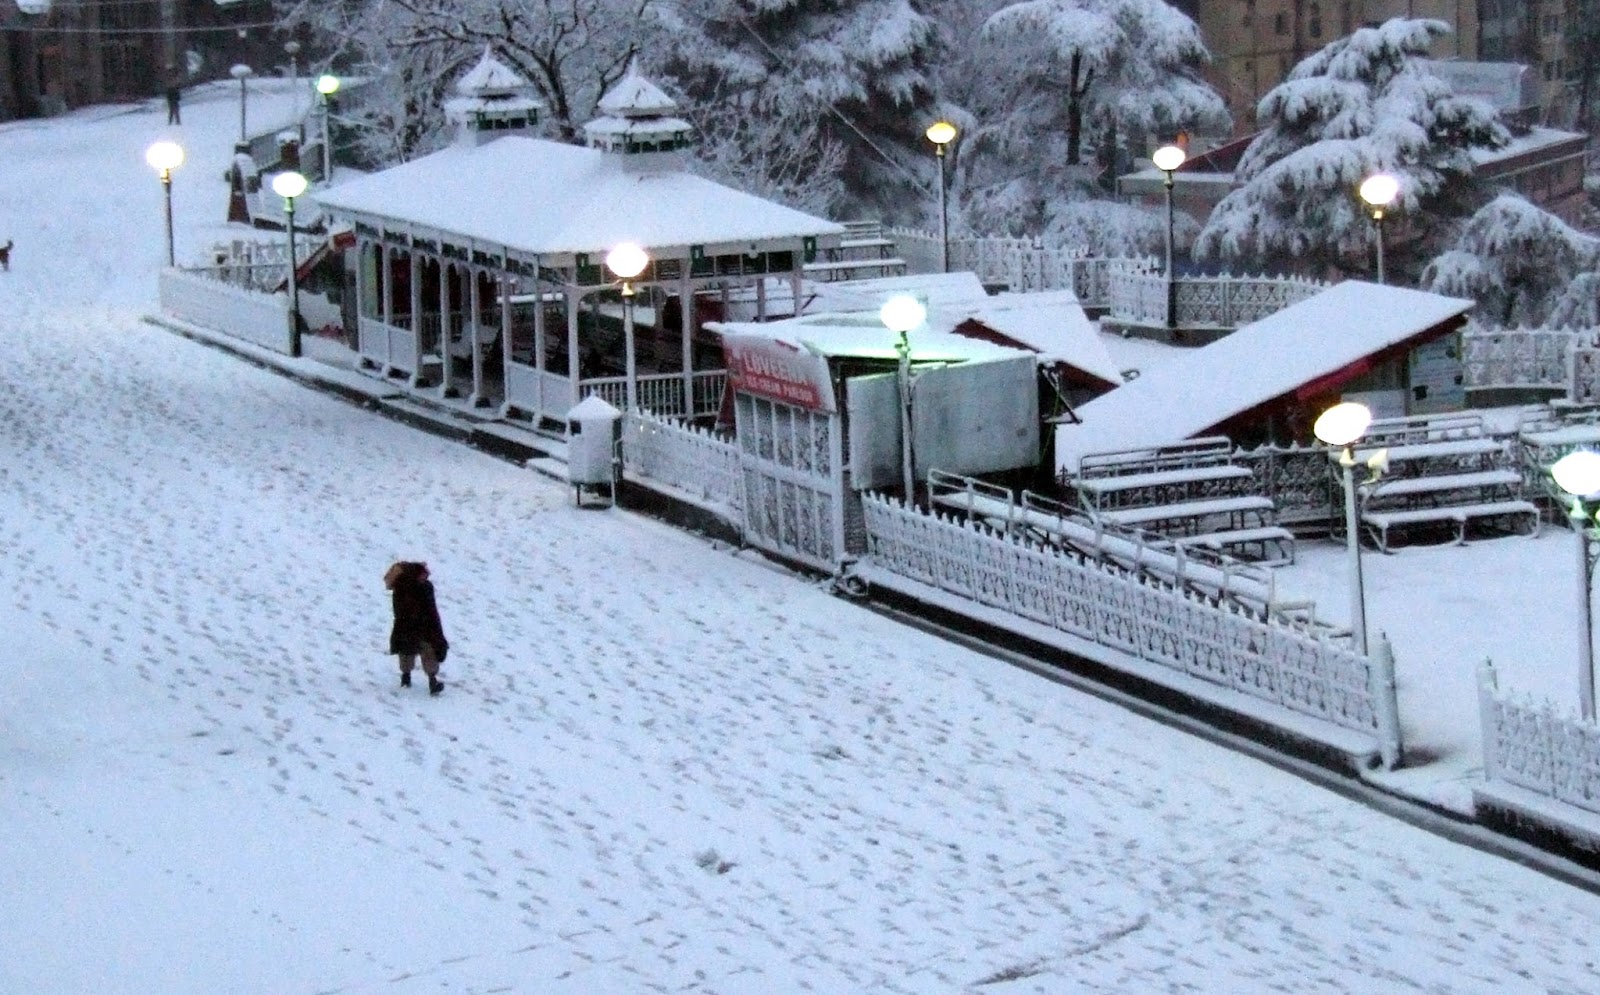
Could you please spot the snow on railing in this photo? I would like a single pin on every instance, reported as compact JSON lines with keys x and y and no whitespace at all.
{"x":1500,"y":358}
{"x":690,"y":460}
{"x":1536,"y":748}
{"x":1184,"y":633}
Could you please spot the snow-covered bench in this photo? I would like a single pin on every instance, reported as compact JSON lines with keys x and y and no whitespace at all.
{"x":1442,"y":472}
{"x":1510,"y":512}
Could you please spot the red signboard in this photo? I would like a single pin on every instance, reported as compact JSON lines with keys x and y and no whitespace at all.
{"x":778,"y":370}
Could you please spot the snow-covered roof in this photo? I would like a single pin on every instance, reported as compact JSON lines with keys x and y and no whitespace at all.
{"x":862,"y":334}
{"x":1053,"y":323}
{"x":539,"y":197}
{"x":636,"y":96}
{"x":490,"y":77}
{"x":1259,"y":362}
{"x":1536,"y":138}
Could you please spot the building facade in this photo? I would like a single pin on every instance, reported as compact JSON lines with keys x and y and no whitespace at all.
{"x":56,"y":55}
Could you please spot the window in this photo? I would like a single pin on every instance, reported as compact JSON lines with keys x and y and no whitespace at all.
{"x":1280,"y":23}
{"x":1316,"y":21}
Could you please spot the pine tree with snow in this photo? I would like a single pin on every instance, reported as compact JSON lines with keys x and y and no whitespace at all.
{"x":1524,"y":266}
{"x":841,"y":77}
{"x":1365,"y":104}
{"x":1070,"y":78}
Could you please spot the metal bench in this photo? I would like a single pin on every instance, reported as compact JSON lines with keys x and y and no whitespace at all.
{"x":1380,"y":522}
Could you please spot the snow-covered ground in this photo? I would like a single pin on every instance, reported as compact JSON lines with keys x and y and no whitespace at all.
{"x":659,"y":765}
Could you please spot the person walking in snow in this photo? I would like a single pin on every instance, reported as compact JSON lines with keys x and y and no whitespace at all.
{"x":174,"y":98}
{"x":417,"y":634}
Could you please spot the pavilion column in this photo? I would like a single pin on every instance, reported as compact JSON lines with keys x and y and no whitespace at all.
{"x":416,"y":317}
{"x":447,"y":386}
{"x":686,"y":328}
{"x":795,"y":286}
{"x":386,"y":257}
{"x":539,"y":345}
{"x":505,"y":336}
{"x":761,"y":299}
{"x":364,"y":247}
{"x":574,"y":302}
{"x":474,"y":322}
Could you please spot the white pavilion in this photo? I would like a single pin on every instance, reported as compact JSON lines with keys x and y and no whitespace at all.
{"x":480,"y":269}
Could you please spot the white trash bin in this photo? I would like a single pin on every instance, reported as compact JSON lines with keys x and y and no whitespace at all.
{"x":594,"y":440}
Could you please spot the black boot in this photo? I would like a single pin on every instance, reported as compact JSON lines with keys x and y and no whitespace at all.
{"x":405,"y":678}
{"x":435,"y":685}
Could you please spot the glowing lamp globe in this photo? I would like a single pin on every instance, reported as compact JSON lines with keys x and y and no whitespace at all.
{"x":289,"y":185}
{"x":1168,"y":157}
{"x":1380,"y":190}
{"x":627,"y":260}
{"x":1578,"y":472}
{"x":164,"y":157}
{"x":941,"y":132}
{"x":327,"y":85}
{"x":902,"y":313}
{"x":1343,"y":423}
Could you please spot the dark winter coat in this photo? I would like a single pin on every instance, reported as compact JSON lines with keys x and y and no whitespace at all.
{"x":416,"y":615}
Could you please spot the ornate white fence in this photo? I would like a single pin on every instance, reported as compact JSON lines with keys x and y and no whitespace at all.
{"x":691,"y":461}
{"x":1205,"y":301}
{"x":200,"y":297}
{"x":1519,"y":358}
{"x":1181,"y":632}
{"x":1022,"y":264}
{"x":1532,"y":747}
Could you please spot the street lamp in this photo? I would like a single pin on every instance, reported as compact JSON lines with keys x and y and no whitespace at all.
{"x":900,"y":314}
{"x":292,"y":49}
{"x":941,"y":134}
{"x":1167,"y":159}
{"x":1578,"y":474}
{"x":627,"y":261}
{"x":1340,"y":426}
{"x":1379,"y":191}
{"x":290,"y":185}
{"x":327,"y":86}
{"x":242,"y":72}
{"x":164,"y":157}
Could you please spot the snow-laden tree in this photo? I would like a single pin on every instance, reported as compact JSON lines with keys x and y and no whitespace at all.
{"x":1523,"y":265}
{"x":1106,"y":67}
{"x":846,"y":77}
{"x":1364,"y":104}
{"x":1071,"y":77}
{"x":415,"y":50}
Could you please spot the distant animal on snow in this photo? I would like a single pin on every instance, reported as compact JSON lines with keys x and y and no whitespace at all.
{"x":5,"y":256}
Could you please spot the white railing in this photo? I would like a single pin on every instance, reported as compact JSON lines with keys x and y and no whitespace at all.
{"x":1225,"y":301}
{"x":1221,"y":646}
{"x":662,"y":393}
{"x":544,"y":393}
{"x":691,"y":461}
{"x":391,"y":345}
{"x":1021,"y":264}
{"x":1533,"y":747}
{"x":1519,"y":357}
{"x":200,"y":298}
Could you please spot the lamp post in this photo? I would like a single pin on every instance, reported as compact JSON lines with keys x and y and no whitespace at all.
{"x":327,"y":86}
{"x":1167,"y":159}
{"x":941,"y":134}
{"x":900,"y":314}
{"x":289,"y":186}
{"x":627,"y":261}
{"x":1379,"y":191}
{"x":1578,"y":474}
{"x":242,"y":72}
{"x":292,"y":49}
{"x":164,"y":157}
{"x":1340,"y":426}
